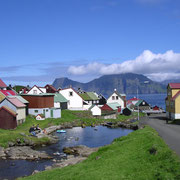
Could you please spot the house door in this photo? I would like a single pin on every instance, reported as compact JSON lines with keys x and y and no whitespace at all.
{"x":44,"y":112}
{"x":51,"y":113}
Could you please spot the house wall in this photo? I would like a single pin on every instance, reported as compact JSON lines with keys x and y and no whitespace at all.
{"x":2,"y":96}
{"x":38,"y":91}
{"x":8,"y":104}
{"x":75,"y":101}
{"x":36,"y":111}
{"x":21,"y":115}
{"x":43,"y":89}
{"x":119,"y":100}
{"x":40,"y":101}
{"x":7,"y":120}
{"x":57,"y":104}
{"x":56,"y":113}
{"x":177,"y":105}
{"x":46,"y":112}
{"x":96,"y":111}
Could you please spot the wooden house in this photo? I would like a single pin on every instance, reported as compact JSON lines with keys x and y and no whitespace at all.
{"x":40,"y":117}
{"x":173,"y":101}
{"x":75,"y":101}
{"x":60,"y":101}
{"x":90,"y":98}
{"x":95,"y":110}
{"x":7,"y":118}
{"x":142,"y":105}
{"x":117,"y":98}
{"x":42,"y":104}
{"x":17,"y":106}
{"x":37,"y":90}
{"x":50,"y":89}
{"x":102,"y":99}
{"x":126,"y":111}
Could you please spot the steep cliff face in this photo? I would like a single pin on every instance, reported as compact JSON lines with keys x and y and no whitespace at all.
{"x":125,"y":83}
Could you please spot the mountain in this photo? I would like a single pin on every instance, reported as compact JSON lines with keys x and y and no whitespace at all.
{"x":124,"y":83}
{"x":166,"y":82}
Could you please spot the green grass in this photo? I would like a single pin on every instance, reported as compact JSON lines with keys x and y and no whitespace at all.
{"x":127,"y":157}
{"x":79,"y":117}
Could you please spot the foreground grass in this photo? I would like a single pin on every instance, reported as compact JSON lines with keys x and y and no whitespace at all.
{"x":140,"y":155}
{"x":78,"y":117}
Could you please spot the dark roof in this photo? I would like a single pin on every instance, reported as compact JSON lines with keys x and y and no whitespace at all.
{"x":174,"y":85}
{"x":52,"y":87}
{"x":2,"y":84}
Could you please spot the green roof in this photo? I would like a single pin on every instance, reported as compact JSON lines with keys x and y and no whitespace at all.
{"x":59,"y":98}
{"x":114,"y":106}
{"x":89,"y":96}
{"x":85,"y":96}
{"x":92,"y":95}
{"x":139,"y":102}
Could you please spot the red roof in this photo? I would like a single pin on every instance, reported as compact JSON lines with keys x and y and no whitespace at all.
{"x":2,"y":84}
{"x":16,"y":102}
{"x":175,"y":96}
{"x":8,"y":92}
{"x":174,"y":85}
{"x":106,"y":108}
{"x":134,"y":99}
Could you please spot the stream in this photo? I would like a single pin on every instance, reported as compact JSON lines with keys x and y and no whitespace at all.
{"x":89,"y":136}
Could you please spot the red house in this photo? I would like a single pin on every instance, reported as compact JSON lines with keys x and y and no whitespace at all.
{"x":50,"y":89}
{"x":106,"y":108}
{"x":7,"y":118}
{"x":156,"y":108}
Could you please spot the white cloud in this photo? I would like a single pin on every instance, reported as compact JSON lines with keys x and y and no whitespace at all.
{"x":156,"y":66}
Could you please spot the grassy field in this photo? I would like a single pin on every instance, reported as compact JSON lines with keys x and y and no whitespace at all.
{"x":140,"y":155}
{"x":78,"y":117}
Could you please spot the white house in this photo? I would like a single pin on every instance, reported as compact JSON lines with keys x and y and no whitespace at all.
{"x":75,"y":101}
{"x":17,"y":106}
{"x":37,"y":90}
{"x":40,"y":117}
{"x":96,"y":110}
{"x":117,"y":98}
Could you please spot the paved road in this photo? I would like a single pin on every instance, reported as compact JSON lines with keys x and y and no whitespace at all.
{"x":169,"y":132}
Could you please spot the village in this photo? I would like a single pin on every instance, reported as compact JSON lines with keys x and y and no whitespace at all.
{"x":48,"y":102}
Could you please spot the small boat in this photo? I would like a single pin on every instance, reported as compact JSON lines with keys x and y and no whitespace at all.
{"x":61,"y":131}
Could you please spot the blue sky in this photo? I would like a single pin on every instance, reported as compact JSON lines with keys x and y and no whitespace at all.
{"x":41,"y":40}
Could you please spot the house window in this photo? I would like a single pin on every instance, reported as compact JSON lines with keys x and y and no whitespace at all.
{"x":70,"y":93}
{"x":36,"y":111}
{"x":143,"y":103}
{"x":116,"y":97}
{"x":113,"y":98}
{"x":46,"y":110}
{"x":34,"y":91}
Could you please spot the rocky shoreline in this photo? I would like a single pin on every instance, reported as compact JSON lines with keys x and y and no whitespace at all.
{"x":75,"y":155}
{"x":22,"y":149}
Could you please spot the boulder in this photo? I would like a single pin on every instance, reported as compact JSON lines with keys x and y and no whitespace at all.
{"x":83,"y":151}
{"x":2,"y":153}
{"x":25,"y":152}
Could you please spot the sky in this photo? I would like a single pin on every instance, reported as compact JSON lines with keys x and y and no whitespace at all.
{"x":41,"y":40}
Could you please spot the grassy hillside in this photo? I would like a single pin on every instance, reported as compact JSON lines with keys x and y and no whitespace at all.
{"x":140,"y":155}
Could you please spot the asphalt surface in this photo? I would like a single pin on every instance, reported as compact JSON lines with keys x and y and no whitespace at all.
{"x":169,"y":132}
